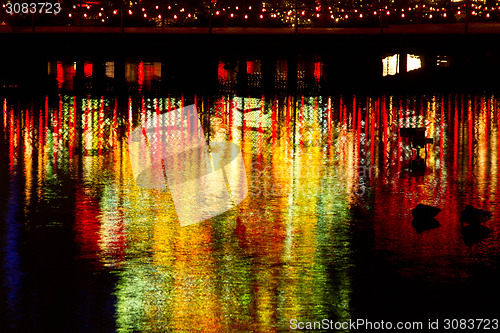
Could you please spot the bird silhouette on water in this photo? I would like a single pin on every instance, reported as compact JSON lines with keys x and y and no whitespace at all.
{"x":471,"y":220}
{"x":424,"y":217}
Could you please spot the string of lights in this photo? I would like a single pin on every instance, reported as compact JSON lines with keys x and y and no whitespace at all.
{"x":314,"y":13}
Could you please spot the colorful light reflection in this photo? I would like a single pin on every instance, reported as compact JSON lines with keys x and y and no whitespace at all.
{"x":286,"y":251}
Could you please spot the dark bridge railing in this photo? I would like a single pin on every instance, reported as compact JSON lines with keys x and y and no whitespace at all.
{"x":247,"y":13}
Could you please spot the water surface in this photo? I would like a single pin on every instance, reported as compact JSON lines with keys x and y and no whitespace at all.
{"x":325,"y":231}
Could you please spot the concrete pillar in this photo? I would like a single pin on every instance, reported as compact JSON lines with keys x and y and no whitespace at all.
{"x":242,"y":77}
{"x":429,"y":63}
{"x":292,"y":62}
{"x":119,"y":80}
{"x":79,"y":76}
{"x":403,"y":57}
{"x":98,"y":74}
{"x":268,"y":73}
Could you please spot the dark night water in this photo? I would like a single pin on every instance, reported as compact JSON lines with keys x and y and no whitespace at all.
{"x":325,"y":231}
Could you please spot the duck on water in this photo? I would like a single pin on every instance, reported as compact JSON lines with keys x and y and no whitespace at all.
{"x":424,"y":217}
{"x":471,"y":220}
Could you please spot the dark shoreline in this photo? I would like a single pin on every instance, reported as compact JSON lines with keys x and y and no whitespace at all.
{"x":352,"y":60}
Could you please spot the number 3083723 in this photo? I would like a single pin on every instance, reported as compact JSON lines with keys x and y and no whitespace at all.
{"x":32,"y":8}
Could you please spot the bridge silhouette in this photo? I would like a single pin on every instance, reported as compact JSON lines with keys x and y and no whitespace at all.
{"x":266,"y":17}
{"x":413,"y":29}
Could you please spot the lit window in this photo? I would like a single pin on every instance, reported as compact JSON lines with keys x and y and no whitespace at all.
{"x":413,"y":62}
{"x":390,"y":65}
